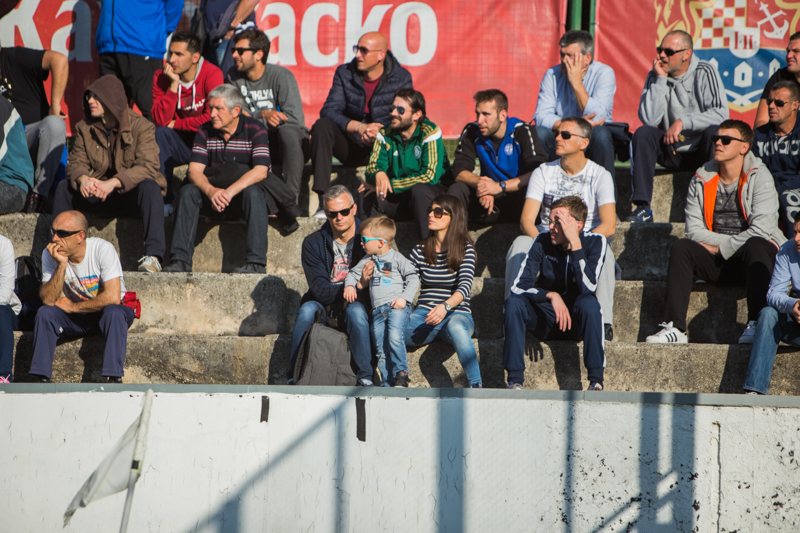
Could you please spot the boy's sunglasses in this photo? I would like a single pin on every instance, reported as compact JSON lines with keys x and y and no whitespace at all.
{"x":725,"y":139}
{"x":365,"y":240}
{"x":438,"y":212}
{"x":334,"y":214}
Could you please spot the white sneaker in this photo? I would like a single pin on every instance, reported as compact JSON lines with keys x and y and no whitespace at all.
{"x":149,"y":263}
{"x":749,"y":333}
{"x":668,"y":335}
{"x":320,"y":214}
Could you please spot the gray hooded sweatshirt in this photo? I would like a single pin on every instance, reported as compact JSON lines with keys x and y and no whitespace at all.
{"x":697,"y":98}
{"x":759,"y":202}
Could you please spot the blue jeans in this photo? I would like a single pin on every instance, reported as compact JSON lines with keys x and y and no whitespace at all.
{"x":357,"y":328}
{"x":456,"y":330}
{"x":600,"y":149}
{"x":8,"y":323}
{"x":388,"y":327}
{"x":772,"y":328}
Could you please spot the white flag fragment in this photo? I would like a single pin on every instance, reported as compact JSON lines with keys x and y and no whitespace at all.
{"x":114,"y":472}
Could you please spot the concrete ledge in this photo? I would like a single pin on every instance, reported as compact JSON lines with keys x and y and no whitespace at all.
{"x":669,"y":194}
{"x":187,"y":359}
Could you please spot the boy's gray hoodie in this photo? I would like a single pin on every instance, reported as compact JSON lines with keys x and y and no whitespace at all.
{"x":393,"y":277}
{"x":758,"y":199}
{"x":697,"y":98}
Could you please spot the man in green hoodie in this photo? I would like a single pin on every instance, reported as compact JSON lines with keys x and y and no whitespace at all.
{"x":407,"y":164}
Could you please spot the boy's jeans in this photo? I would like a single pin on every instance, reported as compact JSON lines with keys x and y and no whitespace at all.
{"x":388,"y":336}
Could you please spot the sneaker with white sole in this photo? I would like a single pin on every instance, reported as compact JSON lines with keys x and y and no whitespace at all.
{"x":149,"y":263}
{"x":668,"y":335}
{"x":749,"y":333}
{"x":5,"y":379}
{"x":319,"y":215}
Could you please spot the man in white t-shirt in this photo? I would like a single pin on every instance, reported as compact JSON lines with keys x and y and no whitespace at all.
{"x":571,"y":175}
{"x":89,"y":274}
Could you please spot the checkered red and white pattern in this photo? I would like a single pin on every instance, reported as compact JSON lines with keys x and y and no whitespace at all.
{"x":713,"y":20}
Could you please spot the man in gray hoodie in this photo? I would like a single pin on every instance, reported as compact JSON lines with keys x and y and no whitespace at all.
{"x":682,"y":104}
{"x":732,"y":233}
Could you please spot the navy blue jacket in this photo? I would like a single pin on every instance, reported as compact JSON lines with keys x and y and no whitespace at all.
{"x":347,"y":96}
{"x":139,"y":28}
{"x":781,"y":155}
{"x":317,"y":259}
{"x":550,"y":268}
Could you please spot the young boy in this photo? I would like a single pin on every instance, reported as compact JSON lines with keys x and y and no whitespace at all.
{"x":393,"y":282}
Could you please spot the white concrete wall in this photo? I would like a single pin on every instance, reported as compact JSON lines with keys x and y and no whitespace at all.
{"x":427,"y":465}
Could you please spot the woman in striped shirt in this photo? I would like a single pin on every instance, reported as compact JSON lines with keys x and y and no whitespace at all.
{"x":445,"y":262}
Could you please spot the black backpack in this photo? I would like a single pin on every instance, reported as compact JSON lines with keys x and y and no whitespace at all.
{"x":323,"y":358}
{"x":27,"y":285}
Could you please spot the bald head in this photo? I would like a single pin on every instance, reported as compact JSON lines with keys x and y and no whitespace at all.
{"x":71,"y":221}
{"x":370,"y":53}
{"x":376,"y":41}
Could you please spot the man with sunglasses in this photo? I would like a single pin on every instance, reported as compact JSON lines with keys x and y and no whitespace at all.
{"x":682,"y":104}
{"x":732,"y":233}
{"x":327,"y":256}
{"x":777,"y":143}
{"x":789,"y":73}
{"x":579,"y":87}
{"x":407,"y":164}
{"x":88,"y":273}
{"x":508,"y":150}
{"x":272,"y":96}
{"x":357,"y":107}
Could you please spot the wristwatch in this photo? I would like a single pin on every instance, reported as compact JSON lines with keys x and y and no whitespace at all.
{"x":448,"y":307}
{"x":503,"y":185}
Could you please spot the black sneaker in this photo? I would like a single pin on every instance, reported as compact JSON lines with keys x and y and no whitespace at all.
{"x":640,"y":214}
{"x":401,"y":379}
{"x":595,"y":386}
{"x":514,"y":386}
{"x":40,"y":379}
{"x":250,"y":268}
{"x":177,"y":266}
{"x":609,"y":332}
{"x":114,"y":379}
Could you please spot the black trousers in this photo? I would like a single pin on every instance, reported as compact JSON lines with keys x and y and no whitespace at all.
{"x":327,"y":141}
{"x":751,"y":266}
{"x":136,"y":74}
{"x":145,"y":202}
{"x":412,"y":204}
{"x":507,"y":205}
{"x":648,"y":149}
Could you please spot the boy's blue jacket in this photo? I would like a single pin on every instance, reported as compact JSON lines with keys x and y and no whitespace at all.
{"x":787,"y":269}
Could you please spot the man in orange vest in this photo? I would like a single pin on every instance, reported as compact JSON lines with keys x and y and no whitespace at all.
{"x":732,"y":233}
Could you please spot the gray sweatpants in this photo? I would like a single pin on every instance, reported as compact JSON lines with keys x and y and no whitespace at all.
{"x":46,"y":140}
{"x":605,"y":285}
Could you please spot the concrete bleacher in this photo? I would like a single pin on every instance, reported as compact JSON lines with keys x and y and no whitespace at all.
{"x":214,"y":327}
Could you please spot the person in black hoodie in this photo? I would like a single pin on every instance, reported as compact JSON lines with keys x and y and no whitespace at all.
{"x":357,"y":107}
{"x":327,"y":256}
{"x":554,"y":287}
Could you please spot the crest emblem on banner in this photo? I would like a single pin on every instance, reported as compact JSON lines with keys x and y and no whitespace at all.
{"x":745,"y":39}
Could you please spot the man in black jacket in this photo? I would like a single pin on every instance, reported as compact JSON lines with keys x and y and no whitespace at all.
{"x":327,"y":257}
{"x":357,"y":107}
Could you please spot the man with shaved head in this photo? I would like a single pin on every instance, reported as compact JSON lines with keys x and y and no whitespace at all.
{"x":88,"y":273}
{"x":357,"y":107}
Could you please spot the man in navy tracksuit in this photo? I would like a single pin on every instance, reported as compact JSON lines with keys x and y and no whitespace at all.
{"x":555,"y":286}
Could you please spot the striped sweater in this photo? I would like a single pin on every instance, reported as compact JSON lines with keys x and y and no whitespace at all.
{"x":438,"y":283}
{"x":248,"y":145}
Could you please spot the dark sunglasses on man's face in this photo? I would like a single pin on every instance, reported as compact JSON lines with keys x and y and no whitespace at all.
{"x":400,"y":109}
{"x":334,"y":214}
{"x":567,"y":135}
{"x":438,"y":212}
{"x":241,"y":51}
{"x":778,"y":103}
{"x":62,"y":233}
{"x":669,"y":52}
{"x":725,"y":139}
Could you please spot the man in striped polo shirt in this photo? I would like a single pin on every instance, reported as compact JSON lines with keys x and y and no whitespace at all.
{"x":229,"y":158}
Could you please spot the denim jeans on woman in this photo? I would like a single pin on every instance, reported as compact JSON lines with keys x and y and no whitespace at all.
{"x":773,"y":327}
{"x":456,"y":330}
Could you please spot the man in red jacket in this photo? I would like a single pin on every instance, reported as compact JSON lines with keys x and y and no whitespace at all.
{"x":180,"y":101}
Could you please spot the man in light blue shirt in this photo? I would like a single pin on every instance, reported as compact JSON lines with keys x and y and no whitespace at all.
{"x":578,"y":87}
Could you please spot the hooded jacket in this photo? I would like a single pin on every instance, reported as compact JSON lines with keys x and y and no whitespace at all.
{"x":757,"y":197}
{"x":135,"y":152}
{"x":348,"y":96}
{"x":189,"y":106}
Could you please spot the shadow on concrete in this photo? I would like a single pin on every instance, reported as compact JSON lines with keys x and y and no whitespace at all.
{"x":267,"y":317}
{"x":735,"y":369}
{"x":431,"y":364}
{"x":645,"y":251}
{"x":41,"y":237}
{"x":717,"y":322}
{"x":650,"y":314}
{"x":491,"y":247}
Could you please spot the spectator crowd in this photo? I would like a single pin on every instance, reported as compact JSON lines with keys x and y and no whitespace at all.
{"x":216,"y":104}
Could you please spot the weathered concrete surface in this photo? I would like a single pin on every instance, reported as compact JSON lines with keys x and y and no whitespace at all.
{"x":669,"y":195}
{"x":642,"y":250}
{"x":701,"y":368}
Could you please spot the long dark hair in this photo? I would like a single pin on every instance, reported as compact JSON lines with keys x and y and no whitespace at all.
{"x":457,"y":237}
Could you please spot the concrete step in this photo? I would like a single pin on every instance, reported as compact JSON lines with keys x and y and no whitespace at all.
{"x":194,"y":359}
{"x":252,"y":305}
{"x":642,"y":250}
{"x":669,"y":194}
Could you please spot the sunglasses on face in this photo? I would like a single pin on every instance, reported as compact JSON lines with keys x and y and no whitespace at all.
{"x":725,"y":139}
{"x":241,"y":51}
{"x":400,"y":109}
{"x":62,"y":233}
{"x":334,"y":214}
{"x":567,"y":135}
{"x":365,"y":240}
{"x":669,"y":52}
{"x":778,"y":103}
{"x":438,"y":212}
{"x":363,"y":49}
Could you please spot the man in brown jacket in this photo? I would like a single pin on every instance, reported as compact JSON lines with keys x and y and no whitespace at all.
{"x":113,"y":167}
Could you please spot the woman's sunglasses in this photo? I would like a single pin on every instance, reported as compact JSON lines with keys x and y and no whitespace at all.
{"x":438,"y":212}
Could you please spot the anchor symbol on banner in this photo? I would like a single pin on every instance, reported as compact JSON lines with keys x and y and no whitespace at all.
{"x":777,"y":31}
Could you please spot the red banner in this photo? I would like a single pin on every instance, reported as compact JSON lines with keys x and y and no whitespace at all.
{"x":453,"y":48}
{"x":745,"y":39}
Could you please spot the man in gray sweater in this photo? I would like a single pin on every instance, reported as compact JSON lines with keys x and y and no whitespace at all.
{"x":272,"y":96}
{"x":682,"y":104}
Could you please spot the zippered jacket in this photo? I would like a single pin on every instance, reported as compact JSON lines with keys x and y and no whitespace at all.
{"x":189,"y":106}
{"x":781,"y":155}
{"x":137,"y":27}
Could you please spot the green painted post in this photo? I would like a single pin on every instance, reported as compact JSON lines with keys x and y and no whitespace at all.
{"x":577,"y":14}
{"x":592,"y":16}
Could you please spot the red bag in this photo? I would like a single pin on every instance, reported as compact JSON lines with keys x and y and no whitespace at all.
{"x":131,"y":301}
